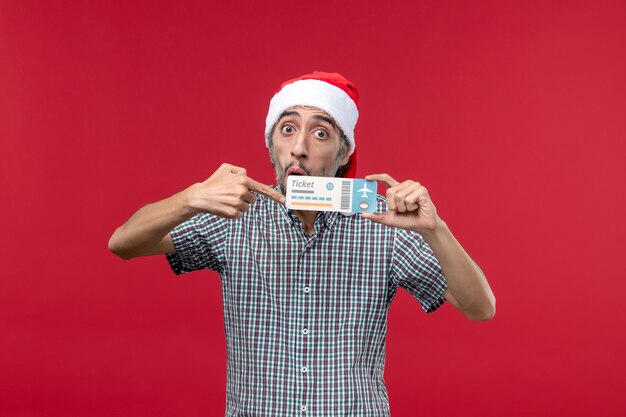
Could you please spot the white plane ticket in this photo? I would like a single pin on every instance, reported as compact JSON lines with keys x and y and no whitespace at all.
{"x":350,"y":195}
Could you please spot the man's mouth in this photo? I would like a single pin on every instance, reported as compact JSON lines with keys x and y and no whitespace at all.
{"x":294,"y":170}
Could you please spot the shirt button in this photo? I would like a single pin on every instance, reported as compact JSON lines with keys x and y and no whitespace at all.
{"x":305,"y":331}
{"x":303,"y":408}
{"x":304,"y":369}
{"x":307,"y":290}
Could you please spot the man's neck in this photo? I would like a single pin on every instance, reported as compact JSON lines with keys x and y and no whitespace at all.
{"x":308,"y":220}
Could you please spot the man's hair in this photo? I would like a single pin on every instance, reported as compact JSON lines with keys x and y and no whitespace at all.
{"x":343,"y":151}
{"x":344,"y":148}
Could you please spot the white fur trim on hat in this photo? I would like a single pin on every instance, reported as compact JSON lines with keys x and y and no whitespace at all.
{"x":315,"y":93}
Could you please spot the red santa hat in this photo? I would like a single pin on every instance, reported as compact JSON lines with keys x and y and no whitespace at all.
{"x":327,"y":91}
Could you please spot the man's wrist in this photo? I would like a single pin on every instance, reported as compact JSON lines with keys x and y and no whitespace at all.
{"x":184,"y":202}
{"x":436,"y":232}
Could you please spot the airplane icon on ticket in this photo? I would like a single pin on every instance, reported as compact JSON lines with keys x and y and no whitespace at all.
{"x":364,"y":190}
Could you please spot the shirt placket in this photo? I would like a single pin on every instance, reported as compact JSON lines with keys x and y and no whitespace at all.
{"x":307,"y":265}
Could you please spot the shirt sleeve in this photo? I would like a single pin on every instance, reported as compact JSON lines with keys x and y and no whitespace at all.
{"x":417,"y":270}
{"x":200,"y":244}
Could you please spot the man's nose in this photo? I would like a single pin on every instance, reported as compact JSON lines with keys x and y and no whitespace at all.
{"x":300,"y":146}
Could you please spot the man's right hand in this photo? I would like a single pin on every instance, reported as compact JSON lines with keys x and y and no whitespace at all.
{"x":228,"y":193}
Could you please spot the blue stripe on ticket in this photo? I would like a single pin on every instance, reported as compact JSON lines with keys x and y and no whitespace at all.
{"x":363,"y":196}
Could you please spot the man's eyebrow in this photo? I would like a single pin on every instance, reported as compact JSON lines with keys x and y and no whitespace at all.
{"x":288,"y":113}
{"x":325,"y":119}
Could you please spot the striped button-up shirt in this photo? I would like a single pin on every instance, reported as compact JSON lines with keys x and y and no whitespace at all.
{"x":306,"y":315}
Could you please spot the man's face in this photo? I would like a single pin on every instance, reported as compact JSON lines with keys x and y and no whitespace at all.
{"x":306,"y":141}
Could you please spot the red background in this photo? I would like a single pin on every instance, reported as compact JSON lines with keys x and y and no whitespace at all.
{"x":511,"y":113}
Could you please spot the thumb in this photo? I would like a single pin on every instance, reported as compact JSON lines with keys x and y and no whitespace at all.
{"x":381,"y":218}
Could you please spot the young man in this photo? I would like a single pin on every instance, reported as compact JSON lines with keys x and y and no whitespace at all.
{"x":306,"y":294}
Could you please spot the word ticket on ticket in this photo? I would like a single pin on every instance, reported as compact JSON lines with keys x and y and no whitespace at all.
{"x":331,"y":194}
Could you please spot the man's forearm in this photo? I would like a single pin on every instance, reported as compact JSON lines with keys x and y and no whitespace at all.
{"x":149,"y":225}
{"x":466,"y":282}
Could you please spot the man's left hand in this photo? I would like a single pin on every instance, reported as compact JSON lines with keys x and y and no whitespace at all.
{"x":409,"y":206}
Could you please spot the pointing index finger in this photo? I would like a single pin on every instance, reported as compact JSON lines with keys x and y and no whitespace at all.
{"x":385,"y":178}
{"x":266,"y":190}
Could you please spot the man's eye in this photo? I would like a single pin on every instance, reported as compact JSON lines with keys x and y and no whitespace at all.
{"x":320,"y":133}
{"x":287,"y":129}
